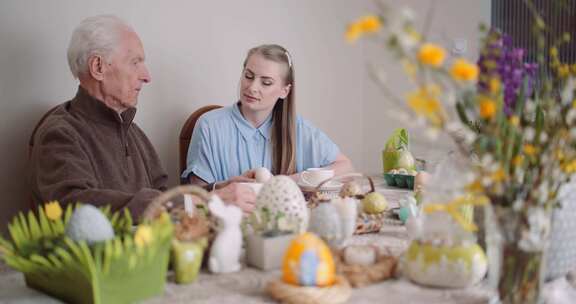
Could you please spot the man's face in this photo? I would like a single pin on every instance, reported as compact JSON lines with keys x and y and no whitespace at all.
{"x":125,"y":72}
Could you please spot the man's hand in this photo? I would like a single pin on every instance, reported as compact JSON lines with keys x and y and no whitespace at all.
{"x":239,"y":195}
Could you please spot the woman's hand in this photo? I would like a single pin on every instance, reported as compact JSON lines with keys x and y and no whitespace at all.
{"x":238,"y":195}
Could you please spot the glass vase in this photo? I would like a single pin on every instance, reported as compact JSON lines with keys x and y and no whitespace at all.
{"x":523,"y":236}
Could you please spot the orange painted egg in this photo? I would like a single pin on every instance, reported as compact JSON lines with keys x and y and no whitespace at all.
{"x":308,"y":262}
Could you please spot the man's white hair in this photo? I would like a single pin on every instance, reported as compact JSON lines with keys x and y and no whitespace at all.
{"x":98,"y":35}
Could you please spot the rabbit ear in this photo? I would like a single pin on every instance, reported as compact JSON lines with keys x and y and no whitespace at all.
{"x":216,"y":205}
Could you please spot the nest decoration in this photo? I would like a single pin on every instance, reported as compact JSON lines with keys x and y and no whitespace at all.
{"x":287,"y":293}
{"x":363,"y":275}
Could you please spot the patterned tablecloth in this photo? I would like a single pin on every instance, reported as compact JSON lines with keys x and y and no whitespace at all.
{"x":247,"y":286}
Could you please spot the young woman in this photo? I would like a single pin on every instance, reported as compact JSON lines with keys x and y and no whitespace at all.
{"x":260,"y":130}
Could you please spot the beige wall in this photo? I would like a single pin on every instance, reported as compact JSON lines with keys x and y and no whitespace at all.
{"x":195,"y":50}
{"x":450,"y":20}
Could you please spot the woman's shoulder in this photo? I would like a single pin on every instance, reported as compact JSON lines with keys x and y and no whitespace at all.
{"x":304,"y":124}
{"x":216,"y":116}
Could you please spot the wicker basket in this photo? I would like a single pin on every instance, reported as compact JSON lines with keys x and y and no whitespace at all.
{"x":166,"y":202}
{"x":365,"y":223}
{"x":193,"y":234}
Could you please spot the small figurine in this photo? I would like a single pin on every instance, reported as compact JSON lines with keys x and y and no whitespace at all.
{"x":225,"y":251}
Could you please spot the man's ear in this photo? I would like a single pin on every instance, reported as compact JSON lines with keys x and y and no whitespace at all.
{"x":96,"y":67}
{"x":286,"y":91}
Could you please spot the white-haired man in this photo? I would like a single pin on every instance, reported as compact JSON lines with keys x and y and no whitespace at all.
{"x":89,"y":149}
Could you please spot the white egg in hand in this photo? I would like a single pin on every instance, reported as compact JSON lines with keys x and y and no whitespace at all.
{"x":262,"y":175}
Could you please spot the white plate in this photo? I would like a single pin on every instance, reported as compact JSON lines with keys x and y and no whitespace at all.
{"x":329,"y":186}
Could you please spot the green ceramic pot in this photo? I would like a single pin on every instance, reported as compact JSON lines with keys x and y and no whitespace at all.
{"x":187,"y":259}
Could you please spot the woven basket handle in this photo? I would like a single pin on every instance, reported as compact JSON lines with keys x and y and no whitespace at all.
{"x":344,"y":176}
{"x":151,"y":211}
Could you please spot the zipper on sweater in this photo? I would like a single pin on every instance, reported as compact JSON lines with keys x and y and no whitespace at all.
{"x":124,"y":141}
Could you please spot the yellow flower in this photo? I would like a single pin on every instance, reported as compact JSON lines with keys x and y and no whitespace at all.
{"x":490,"y":64}
{"x":514,"y":120}
{"x":554,"y":52}
{"x":143,"y":235}
{"x":431,"y":54}
{"x":370,"y":24}
{"x":564,"y":71}
{"x":365,"y":25}
{"x":487,"y":108}
{"x":53,"y":210}
{"x":463,"y":70}
{"x":475,"y":186}
{"x":518,"y":160}
{"x":569,"y":167}
{"x":498,"y":175}
{"x":529,"y":149}
{"x":560,"y":155}
{"x":425,"y":102}
{"x":353,"y":32}
{"x":494,"y":85}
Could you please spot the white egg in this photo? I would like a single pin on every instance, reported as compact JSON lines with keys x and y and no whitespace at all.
{"x":262,"y":175}
{"x":364,"y":255}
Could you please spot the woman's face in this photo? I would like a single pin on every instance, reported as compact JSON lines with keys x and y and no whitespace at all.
{"x":262,"y":84}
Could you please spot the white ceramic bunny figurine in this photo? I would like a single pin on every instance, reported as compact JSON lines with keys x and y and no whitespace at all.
{"x":225,"y":252}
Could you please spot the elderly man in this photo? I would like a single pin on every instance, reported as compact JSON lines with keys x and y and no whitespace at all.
{"x":89,"y":149}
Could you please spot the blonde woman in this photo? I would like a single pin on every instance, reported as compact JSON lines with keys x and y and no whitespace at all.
{"x":260,"y":130}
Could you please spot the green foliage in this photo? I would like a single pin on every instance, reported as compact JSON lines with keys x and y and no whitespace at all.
{"x":397,"y":141}
{"x":271,"y":224}
{"x":40,"y":249}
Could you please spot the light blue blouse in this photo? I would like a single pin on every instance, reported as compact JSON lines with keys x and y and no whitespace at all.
{"x":224,"y":144}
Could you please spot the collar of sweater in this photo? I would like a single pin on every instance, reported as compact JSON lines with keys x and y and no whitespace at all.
{"x":95,"y":109}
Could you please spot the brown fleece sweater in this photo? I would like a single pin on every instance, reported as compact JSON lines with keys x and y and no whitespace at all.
{"x":86,"y":152}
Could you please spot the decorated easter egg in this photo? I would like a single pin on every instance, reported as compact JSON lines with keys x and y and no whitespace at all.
{"x":281,"y":195}
{"x":308,"y":262}
{"x":374,"y":202}
{"x":89,"y":224}
{"x":445,"y":266}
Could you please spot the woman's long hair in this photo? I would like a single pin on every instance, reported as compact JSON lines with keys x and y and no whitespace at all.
{"x":283,"y":131}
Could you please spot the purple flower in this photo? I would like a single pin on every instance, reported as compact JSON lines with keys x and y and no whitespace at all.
{"x":499,"y":58}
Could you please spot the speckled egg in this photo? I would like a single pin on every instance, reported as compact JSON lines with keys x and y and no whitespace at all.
{"x":308,"y":262}
{"x":89,"y":224}
{"x":281,"y":194}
